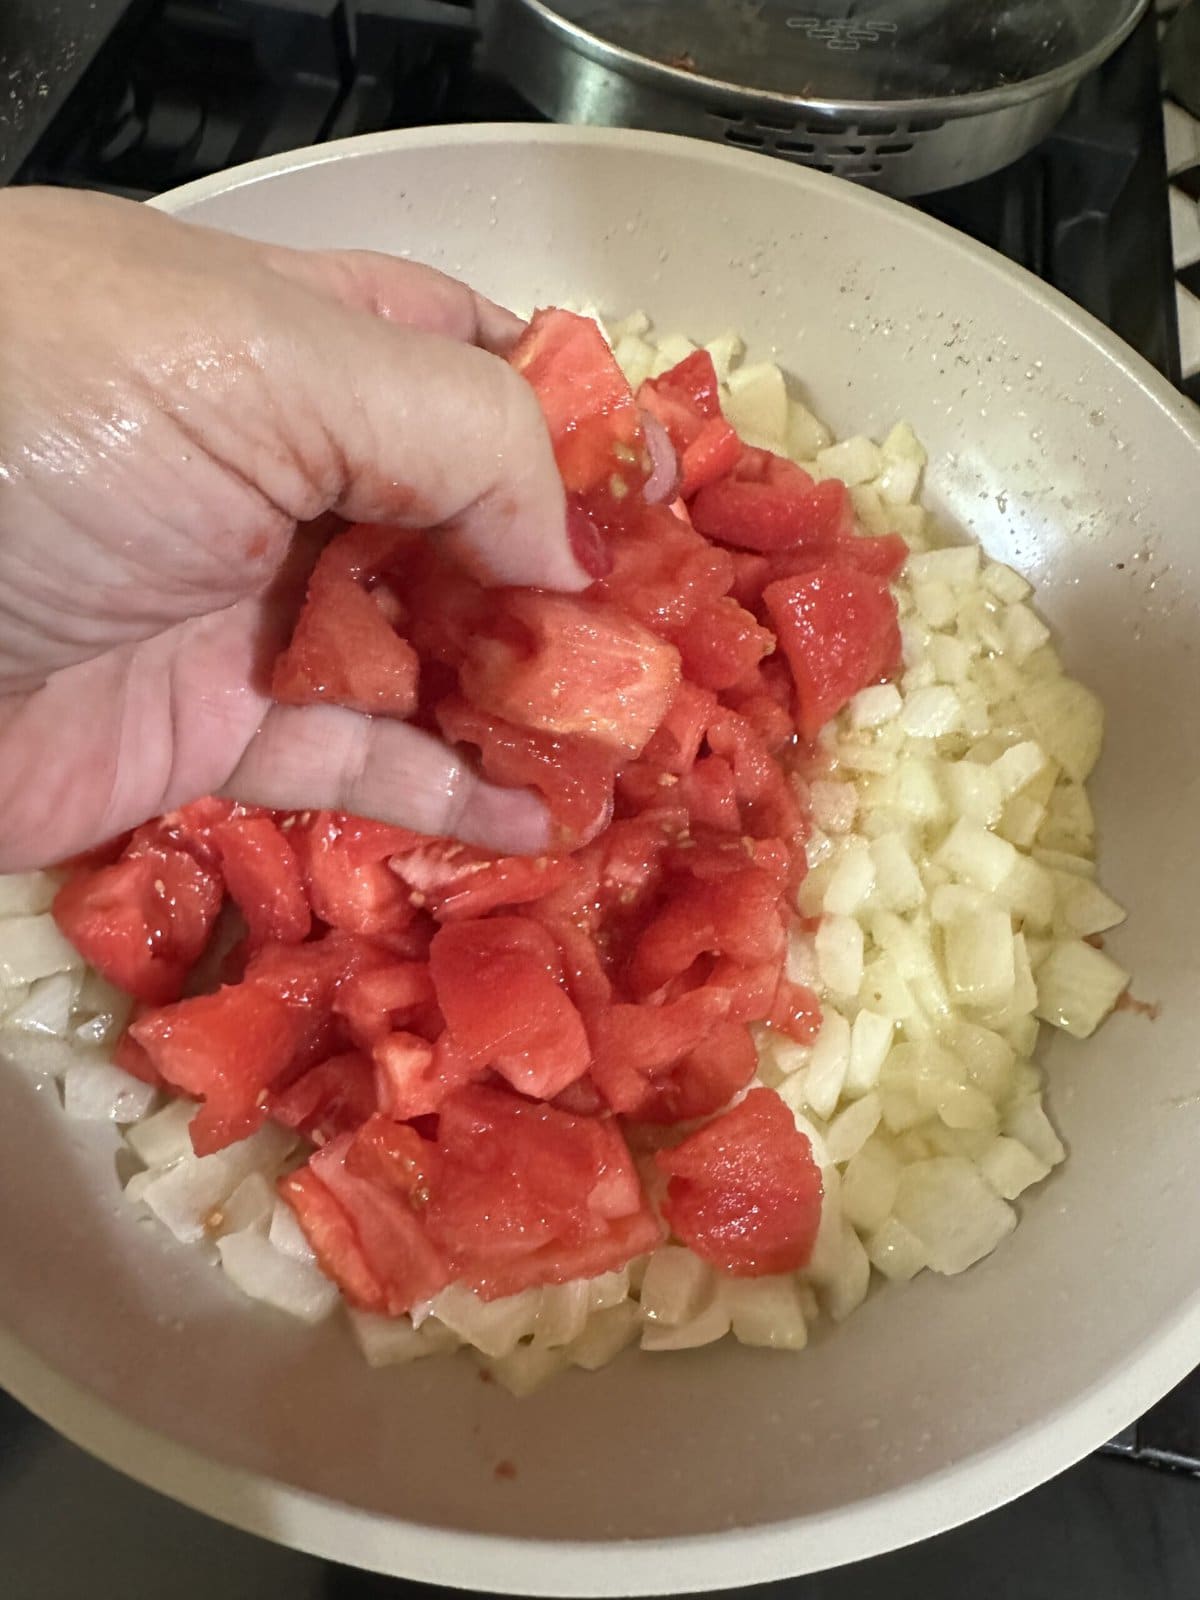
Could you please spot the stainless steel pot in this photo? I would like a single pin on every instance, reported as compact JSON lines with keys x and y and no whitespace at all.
{"x":906,"y":96}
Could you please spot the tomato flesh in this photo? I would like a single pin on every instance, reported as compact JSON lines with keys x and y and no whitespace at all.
{"x":745,"y":1192}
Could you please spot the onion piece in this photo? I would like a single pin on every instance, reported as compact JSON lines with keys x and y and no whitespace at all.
{"x":264,"y":1274}
{"x":97,"y":1091}
{"x":664,"y":469}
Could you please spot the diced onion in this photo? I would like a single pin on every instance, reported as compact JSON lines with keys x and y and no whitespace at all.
{"x":96,"y":1091}
{"x":262,"y":1272}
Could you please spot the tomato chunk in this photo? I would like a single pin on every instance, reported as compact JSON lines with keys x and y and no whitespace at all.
{"x":227,"y":1049}
{"x":773,"y":516}
{"x":392,"y":1265}
{"x":264,"y":878}
{"x":334,"y":1097}
{"x":575,"y":667}
{"x":745,"y":1192}
{"x":350,"y":885}
{"x":143,"y":921}
{"x":454,"y":881}
{"x":528,"y":1194}
{"x":499,"y":986}
{"x":839,"y":631}
{"x":594,"y":424}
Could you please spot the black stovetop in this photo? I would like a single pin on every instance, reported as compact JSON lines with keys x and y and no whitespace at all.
{"x":136,"y":96}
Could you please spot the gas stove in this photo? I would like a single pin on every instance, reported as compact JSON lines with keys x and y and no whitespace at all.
{"x":132,"y":97}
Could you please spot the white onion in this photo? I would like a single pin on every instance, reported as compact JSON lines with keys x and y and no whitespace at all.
{"x":164,"y":1137}
{"x":264,"y":1274}
{"x":392,"y":1341}
{"x":527,"y":1367}
{"x":946,"y":1205}
{"x":31,"y":947}
{"x":48,"y":1005}
{"x":97,"y":1091}
{"x":608,"y":1332}
{"x":767,"y":1313}
{"x":869,"y":1183}
{"x":494,"y":1327}
{"x":706,"y":1327}
{"x":286,"y":1234}
{"x":562,"y":1314}
{"x":828,"y":1065}
{"x":26,"y":893}
{"x":677,"y":1286}
{"x":1077,"y":986}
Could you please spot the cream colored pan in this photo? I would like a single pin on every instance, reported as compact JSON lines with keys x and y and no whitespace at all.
{"x":1066,"y":455}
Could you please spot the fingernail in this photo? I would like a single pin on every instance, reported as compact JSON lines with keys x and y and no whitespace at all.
{"x":588,"y":544}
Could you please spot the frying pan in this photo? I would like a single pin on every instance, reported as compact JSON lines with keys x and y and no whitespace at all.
{"x":1067,"y":456}
{"x":906,"y":96}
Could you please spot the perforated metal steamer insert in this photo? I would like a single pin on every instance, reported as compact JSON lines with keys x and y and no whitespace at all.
{"x":906,"y":95}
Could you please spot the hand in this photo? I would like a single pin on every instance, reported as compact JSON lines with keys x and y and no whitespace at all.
{"x":174,"y":402}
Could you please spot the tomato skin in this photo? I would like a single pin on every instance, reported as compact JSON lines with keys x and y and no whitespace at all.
{"x":839,"y":630}
{"x":576,"y":667}
{"x":264,"y":878}
{"x":143,"y":921}
{"x":744,"y":1191}
{"x":498,"y":983}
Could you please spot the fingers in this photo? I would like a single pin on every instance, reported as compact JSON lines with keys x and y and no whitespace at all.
{"x":404,"y":292}
{"x":322,"y":757}
{"x":426,"y":432}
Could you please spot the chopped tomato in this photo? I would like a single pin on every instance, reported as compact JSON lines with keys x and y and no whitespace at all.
{"x":349,"y":882}
{"x":677,"y":740}
{"x":402,"y":1266}
{"x":574,"y":776}
{"x":745,"y":1192}
{"x":453,"y":881}
{"x":721,"y":644}
{"x":227,"y":1049}
{"x":735,"y":915}
{"x":573,"y":666}
{"x":264,"y":878}
{"x":685,"y":401}
{"x":594,"y":424}
{"x":663,"y":572}
{"x":377,"y":999}
{"x":345,"y":649}
{"x":773,"y":516}
{"x":413,"y":1076}
{"x":642,"y":1056}
{"x":144,"y":921}
{"x":839,"y":631}
{"x":336,"y":1096}
{"x":499,"y":986}
{"x":525,"y":1194}
{"x":326,"y":1225}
